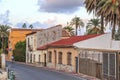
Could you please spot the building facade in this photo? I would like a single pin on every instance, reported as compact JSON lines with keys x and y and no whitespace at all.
{"x":44,"y":37}
{"x":49,"y":35}
{"x":99,"y":57}
{"x":31,"y":46}
{"x":62,"y":58}
{"x":62,"y":55}
{"x":16,"y":35}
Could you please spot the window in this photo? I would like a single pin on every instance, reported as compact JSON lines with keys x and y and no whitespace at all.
{"x":31,"y":58}
{"x":28,"y":41}
{"x":60,"y":58}
{"x":50,"y":56}
{"x":34,"y":57}
{"x":69,"y":58}
{"x":39,"y":58}
{"x":27,"y":57}
{"x":35,"y":42}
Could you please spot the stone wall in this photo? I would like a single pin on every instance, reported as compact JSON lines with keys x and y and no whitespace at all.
{"x":49,"y":35}
{"x":61,"y":67}
{"x":66,"y":68}
{"x":50,"y":65}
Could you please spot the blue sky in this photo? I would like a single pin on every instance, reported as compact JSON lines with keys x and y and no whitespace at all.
{"x":41,"y":13}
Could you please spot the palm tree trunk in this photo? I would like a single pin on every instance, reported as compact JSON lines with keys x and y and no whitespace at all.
{"x":102,"y":24}
{"x":2,"y":44}
{"x":113,"y":29}
{"x":76,"y":29}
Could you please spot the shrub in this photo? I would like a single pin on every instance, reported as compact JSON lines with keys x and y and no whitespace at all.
{"x":19,"y":51}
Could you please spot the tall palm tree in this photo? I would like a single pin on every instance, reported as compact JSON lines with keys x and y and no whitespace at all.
{"x":111,"y":12}
{"x":93,"y":26}
{"x":77,"y":22}
{"x":91,"y":6}
{"x":4,"y":34}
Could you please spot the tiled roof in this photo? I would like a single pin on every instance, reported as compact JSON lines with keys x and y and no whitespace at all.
{"x":65,"y":33}
{"x":42,"y":47}
{"x":22,"y":29}
{"x":68,"y":42}
{"x":31,"y":33}
{"x":72,"y":40}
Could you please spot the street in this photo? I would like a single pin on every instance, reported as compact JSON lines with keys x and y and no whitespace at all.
{"x":26,"y":72}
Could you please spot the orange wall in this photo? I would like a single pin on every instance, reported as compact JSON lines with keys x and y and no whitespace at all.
{"x":15,"y":36}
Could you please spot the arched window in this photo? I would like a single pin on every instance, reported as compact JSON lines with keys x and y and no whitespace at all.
{"x":60,"y":58}
{"x":31,"y":58}
{"x":28,"y":43}
{"x":69,"y":58}
{"x":39,"y":58}
{"x":34,"y":57}
{"x":50,"y":56}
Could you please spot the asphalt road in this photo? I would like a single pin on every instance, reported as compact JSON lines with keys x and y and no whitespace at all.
{"x":26,"y":72}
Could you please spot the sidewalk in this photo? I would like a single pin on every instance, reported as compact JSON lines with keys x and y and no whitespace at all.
{"x":52,"y":69}
{"x":3,"y":75}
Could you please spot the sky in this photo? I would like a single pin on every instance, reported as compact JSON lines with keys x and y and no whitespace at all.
{"x":41,"y":13}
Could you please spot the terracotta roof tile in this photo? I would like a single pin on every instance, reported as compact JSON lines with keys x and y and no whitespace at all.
{"x":65,"y":33}
{"x":68,"y":42}
{"x":22,"y":29}
{"x":42,"y":47}
{"x":72,"y":40}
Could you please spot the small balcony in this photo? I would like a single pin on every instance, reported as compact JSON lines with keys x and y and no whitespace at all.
{"x":30,"y":47}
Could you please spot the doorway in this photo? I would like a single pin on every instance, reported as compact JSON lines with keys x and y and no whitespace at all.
{"x":55,"y":57}
{"x":44,"y":60}
{"x":30,"y":58}
{"x":76,"y":64}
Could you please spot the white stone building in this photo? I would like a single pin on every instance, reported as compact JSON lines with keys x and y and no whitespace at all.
{"x":99,"y":57}
{"x":40,"y":38}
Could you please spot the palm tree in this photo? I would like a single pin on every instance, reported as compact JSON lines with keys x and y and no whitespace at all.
{"x":31,"y":26}
{"x":77,"y":22}
{"x":117,"y":35}
{"x":93,"y":27}
{"x":110,"y":9}
{"x":4,"y":34}
{"x":69,"y":29}
{"x":91,"y":6}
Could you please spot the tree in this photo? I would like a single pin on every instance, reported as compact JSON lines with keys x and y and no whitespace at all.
{"x":4,"y":36}
{"x":77,"y":22}
{"x":24,"y":25}
{"x":91,"y":6}
{"x":31,"y":26}
{"x":19,"y":51}
{"x":117,"y":35}
{"x":69,"y":29}
{"x":93,"y":27}
{"x":110,"y":9}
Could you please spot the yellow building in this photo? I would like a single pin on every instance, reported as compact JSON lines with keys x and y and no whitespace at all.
{"x":62,"y":55}
{"x":16,"y":35}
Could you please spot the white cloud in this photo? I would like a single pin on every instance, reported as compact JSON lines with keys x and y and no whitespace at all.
{"x":4,"y":18}
{"x":20,"y":11}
